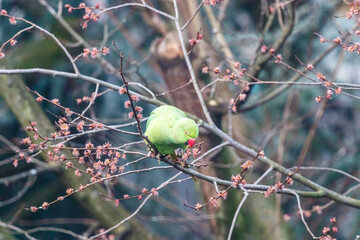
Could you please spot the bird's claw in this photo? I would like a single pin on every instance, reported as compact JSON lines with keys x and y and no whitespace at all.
{"x":179,"y":152}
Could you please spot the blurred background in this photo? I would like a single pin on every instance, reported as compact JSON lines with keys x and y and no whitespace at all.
{"x":291,"y":127}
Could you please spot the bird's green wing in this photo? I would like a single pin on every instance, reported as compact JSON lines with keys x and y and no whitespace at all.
{"x":163,"y":111}
{"x":159,"y":127}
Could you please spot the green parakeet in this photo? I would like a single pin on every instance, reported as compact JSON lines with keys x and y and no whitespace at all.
{"x":168,"y":128}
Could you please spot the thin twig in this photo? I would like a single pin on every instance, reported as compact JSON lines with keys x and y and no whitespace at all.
{"x":267,"y":97}
{"x":54,"y":229}
{"x":81,"y":116}
{"x":302,"y":215}
{"x":189,"y":66}
{"x":92,"y":100}
{"x":144,"y":5}
{"x":321,"y":191}
{"x":331,"y":170}
{"x":138,"y":209}
{"x":243,"y":201}
{"x":310,"y":136}
{"x":193,"y":16}
{"x":173,"y":90}
{"x":52,"y":36}
{"x":126,"y":84}
{"x":30,"y":181}
{"x":17,"y":229}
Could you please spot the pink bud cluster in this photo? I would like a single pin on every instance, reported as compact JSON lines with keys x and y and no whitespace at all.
{"x":280,"y":185}
{"x":89,"y":14}
{"x":327,"y":231}
{"x":86,"y":99}
{"x":327,"y":84}
{"x":144,"y":192}
{"x":236,"y":78}
{"x":12,"y":41}
{"x":212,"y":2}
{"x":195,"y":152}
{"x":194,"y":41}
{"x":237,"y":180}
{"x":94,"y":52}
{"x":352,"y":12}
{"x":128,"y":104}
{"x":213,"y":201}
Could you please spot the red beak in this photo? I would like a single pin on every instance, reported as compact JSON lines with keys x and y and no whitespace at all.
{"x":191,"y":142}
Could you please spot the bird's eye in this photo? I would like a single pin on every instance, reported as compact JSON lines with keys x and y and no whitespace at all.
{"x":186,"y":133}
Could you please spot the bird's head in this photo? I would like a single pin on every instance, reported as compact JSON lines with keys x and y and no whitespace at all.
{"x":186,"y":131}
